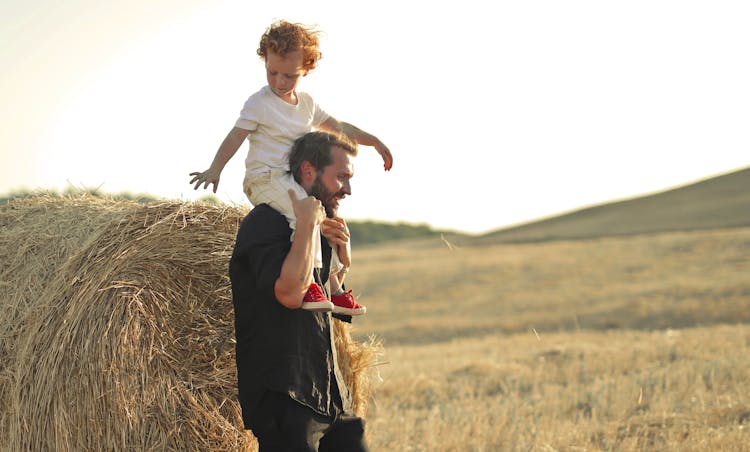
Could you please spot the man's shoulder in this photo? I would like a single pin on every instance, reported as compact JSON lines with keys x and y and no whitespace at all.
{"x":262,"y":225}
{"x":262,"y":214}
{"x":263,"y":220}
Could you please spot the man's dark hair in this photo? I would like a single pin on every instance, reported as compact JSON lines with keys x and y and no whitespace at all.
{"x":315,"y":147}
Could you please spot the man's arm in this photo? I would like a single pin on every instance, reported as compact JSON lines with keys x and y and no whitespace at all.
{"x":360,"y":137}
{"x":226,"y":151}
{"x":296,"y":271}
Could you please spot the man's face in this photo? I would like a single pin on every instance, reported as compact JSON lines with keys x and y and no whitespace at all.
{"x":331,"y":184}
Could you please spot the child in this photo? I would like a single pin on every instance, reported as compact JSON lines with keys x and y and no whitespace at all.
{"x":271,"y":120}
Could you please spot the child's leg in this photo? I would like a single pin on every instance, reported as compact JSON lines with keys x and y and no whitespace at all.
{"x":272,"y":188}
{"x":343,"y":302}
{"x":335,"y":284}
{"x":337,"y":268}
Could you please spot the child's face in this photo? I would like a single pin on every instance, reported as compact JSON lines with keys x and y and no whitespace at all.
{"x":284,"y":73}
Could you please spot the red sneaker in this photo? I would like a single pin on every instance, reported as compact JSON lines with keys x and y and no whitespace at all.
{"x":345,"y":304}
{"x":315,"y":300}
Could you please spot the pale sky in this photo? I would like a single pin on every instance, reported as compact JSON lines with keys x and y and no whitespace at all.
{"x":497,"y":113}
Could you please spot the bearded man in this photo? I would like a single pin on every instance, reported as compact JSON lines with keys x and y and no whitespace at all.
{"x":291,"y":391}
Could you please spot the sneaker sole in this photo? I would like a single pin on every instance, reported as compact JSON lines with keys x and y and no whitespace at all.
{"x":349,"y":311}
{"x":318,"y":306}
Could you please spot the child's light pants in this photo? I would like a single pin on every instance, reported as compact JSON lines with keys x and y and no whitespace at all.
{"x":271,"y":187}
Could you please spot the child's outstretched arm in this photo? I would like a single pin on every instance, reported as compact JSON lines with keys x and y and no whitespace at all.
{"x":226,"y":151}
{"x":361,"y":137}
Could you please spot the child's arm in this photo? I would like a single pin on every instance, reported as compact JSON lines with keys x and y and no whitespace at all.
{"x":361,"y":137}
{"x":226,"y":151}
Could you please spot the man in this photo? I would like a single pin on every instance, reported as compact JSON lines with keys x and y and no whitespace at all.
{"x":292,"y":394}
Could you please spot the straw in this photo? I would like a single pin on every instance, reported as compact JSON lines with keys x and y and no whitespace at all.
{"x":117,"y":327}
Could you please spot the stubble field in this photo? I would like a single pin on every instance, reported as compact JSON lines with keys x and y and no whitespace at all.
{"x":623,"y":343}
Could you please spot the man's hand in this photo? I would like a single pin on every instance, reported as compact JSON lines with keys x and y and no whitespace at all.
{"x":208,"y":177}
{"x":337,"y":233}
{"x":307,"y":210}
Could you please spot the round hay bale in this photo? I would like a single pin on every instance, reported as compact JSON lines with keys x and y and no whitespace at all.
{"x":37,"y":235}
{"x":129,"y":344}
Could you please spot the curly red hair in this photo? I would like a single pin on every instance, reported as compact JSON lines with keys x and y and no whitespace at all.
{"x":283,"y":37}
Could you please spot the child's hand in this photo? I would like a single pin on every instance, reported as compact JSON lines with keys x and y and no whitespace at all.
{"x":337,"y":233}
{"x":386,"y":154}
{"x":208,"y":177}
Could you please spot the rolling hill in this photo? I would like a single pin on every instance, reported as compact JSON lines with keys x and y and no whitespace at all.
{"x":718,"y":202}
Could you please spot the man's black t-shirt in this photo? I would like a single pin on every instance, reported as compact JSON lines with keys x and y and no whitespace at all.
{"x":279,"y":349}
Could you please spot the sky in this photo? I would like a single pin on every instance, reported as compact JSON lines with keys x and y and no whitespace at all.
{"x":497,"y":113}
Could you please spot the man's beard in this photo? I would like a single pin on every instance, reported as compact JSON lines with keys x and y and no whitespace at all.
{"x":325,"y":197}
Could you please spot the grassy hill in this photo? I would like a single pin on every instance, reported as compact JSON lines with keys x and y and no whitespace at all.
{"x":718,"y":202}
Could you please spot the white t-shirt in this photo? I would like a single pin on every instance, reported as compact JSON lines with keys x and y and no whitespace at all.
{"x":274,"y":125}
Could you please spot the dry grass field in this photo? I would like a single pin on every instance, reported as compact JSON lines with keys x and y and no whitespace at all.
{"x":624,"y":343}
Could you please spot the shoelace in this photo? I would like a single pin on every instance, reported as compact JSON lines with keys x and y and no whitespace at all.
{"x":315,"y":289}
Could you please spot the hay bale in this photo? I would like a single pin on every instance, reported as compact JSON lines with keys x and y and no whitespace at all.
{"x":36,"y":236}
{"x":128,"y":340}
{"x":358,"y":365}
